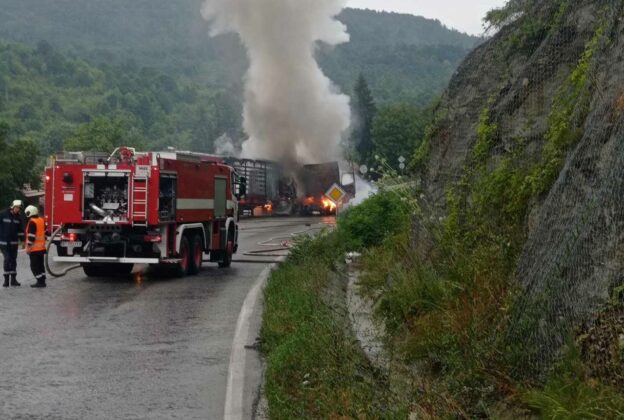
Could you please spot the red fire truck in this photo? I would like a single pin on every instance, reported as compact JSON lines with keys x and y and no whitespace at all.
{"x":109,"y":212}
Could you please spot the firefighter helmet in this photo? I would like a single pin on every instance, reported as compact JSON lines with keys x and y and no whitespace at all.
{"x":31,"y":211}
{"x":17,"y":203}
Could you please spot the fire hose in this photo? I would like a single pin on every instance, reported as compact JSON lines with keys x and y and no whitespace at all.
{"x":285,"y":244}
{"x":47,"y":264}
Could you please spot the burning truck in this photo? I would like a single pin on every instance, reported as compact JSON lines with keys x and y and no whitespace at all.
{"x":166,"y":209}
{"x":275,"y":192}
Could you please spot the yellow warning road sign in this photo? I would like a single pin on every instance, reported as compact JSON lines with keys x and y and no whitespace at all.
{"x":335,"y":193}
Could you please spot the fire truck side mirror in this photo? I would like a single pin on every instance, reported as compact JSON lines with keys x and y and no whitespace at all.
{"x":242,"y":187}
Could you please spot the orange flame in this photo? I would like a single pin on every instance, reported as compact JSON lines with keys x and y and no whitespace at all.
{"x":328,"y":204}
{"x":138,"y":279}
{"x":268,"y":207}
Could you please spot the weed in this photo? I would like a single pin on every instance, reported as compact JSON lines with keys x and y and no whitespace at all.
{"x":569,"y":394}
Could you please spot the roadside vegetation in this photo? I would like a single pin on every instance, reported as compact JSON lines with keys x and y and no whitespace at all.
{"x":445,"y":317}
{"x":315,"y":367}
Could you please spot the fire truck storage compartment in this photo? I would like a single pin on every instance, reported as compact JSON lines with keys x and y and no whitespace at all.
{"x":220,"y":199}
{"x":167,"y":197}
{"x":106,"y":196}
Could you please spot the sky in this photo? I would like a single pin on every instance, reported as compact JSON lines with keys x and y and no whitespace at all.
{"x":464,"y":15}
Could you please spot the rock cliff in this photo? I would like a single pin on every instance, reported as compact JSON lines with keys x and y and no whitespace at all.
{"x":545,"y":97}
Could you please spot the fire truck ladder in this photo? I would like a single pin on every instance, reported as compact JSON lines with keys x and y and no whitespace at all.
{"x":139,"y":201}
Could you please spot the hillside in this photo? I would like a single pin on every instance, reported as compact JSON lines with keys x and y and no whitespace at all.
{"x":404,"y":57}
{"x":371,"y":28}
{"x":46,"y":96}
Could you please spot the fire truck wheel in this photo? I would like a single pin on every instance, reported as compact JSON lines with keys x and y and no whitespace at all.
{"x":183,"y":267}
{"x":91,"y":270}
{"x":227,"y":254}
{"x":197,"y":252}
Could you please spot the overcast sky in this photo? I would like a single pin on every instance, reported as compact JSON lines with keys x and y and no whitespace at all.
{"x":464,"y":15}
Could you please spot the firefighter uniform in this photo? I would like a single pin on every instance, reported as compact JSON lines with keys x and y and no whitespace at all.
{"x":11,"y":232}
{"x":36,"y":245}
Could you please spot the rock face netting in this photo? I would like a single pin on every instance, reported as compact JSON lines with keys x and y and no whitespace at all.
{"x":573,"y":258}
{"x":558,"y":68}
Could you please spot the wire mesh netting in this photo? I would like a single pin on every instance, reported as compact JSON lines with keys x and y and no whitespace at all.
{"x":539,"y":109}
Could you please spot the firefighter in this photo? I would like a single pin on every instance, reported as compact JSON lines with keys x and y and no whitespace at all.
{"x":36,"y":245}
{"x":11,"y":232}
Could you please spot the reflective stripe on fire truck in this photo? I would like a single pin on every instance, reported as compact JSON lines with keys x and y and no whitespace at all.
{"x":200,"y":204}
{"x":194,"y":204}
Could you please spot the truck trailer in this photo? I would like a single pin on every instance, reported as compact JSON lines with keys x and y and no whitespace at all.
{"x":278,"y":193}
{"x":168,"y":209}
{"x":266,"y":186}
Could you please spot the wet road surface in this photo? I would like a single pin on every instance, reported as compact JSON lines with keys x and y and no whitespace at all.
{"x":95,"y":348}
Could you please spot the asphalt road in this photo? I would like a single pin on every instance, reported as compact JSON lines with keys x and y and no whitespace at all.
{"x":132,"y":348}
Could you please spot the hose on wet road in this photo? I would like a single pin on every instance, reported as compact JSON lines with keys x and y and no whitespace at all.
{"x":47,"y":255}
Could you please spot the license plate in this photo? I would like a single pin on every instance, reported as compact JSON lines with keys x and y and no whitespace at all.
{"x":71,"y":244}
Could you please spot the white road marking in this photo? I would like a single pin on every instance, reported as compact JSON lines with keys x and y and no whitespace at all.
{"x":236,"y":371}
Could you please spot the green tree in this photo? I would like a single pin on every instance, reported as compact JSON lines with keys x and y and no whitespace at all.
{"x":364,"y":111}
{"x":397,"y":131}
{"x":204,"y":133}
{"x":103,"y":134}
{"x":18,"y":163}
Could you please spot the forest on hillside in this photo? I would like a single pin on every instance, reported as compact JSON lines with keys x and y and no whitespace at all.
{"x":147,"y":73}
{"x":47,"y":97}
{"x":404,"y":57}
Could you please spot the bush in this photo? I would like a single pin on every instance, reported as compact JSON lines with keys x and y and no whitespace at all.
{"x":324,"y":248}
{"x":383,"y":215}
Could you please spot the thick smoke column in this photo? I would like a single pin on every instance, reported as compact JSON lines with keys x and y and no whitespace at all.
{"x":292,"y":112}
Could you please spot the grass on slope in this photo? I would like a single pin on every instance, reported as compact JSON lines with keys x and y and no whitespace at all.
{"x":315,"y":367}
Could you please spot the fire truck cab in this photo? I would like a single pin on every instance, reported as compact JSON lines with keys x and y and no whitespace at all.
{"x":166,"y":209}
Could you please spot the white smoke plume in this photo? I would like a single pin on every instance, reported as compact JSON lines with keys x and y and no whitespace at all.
{"x":363,"y":190}
{"x":292,"y":112}
{"x":224,"y":146}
